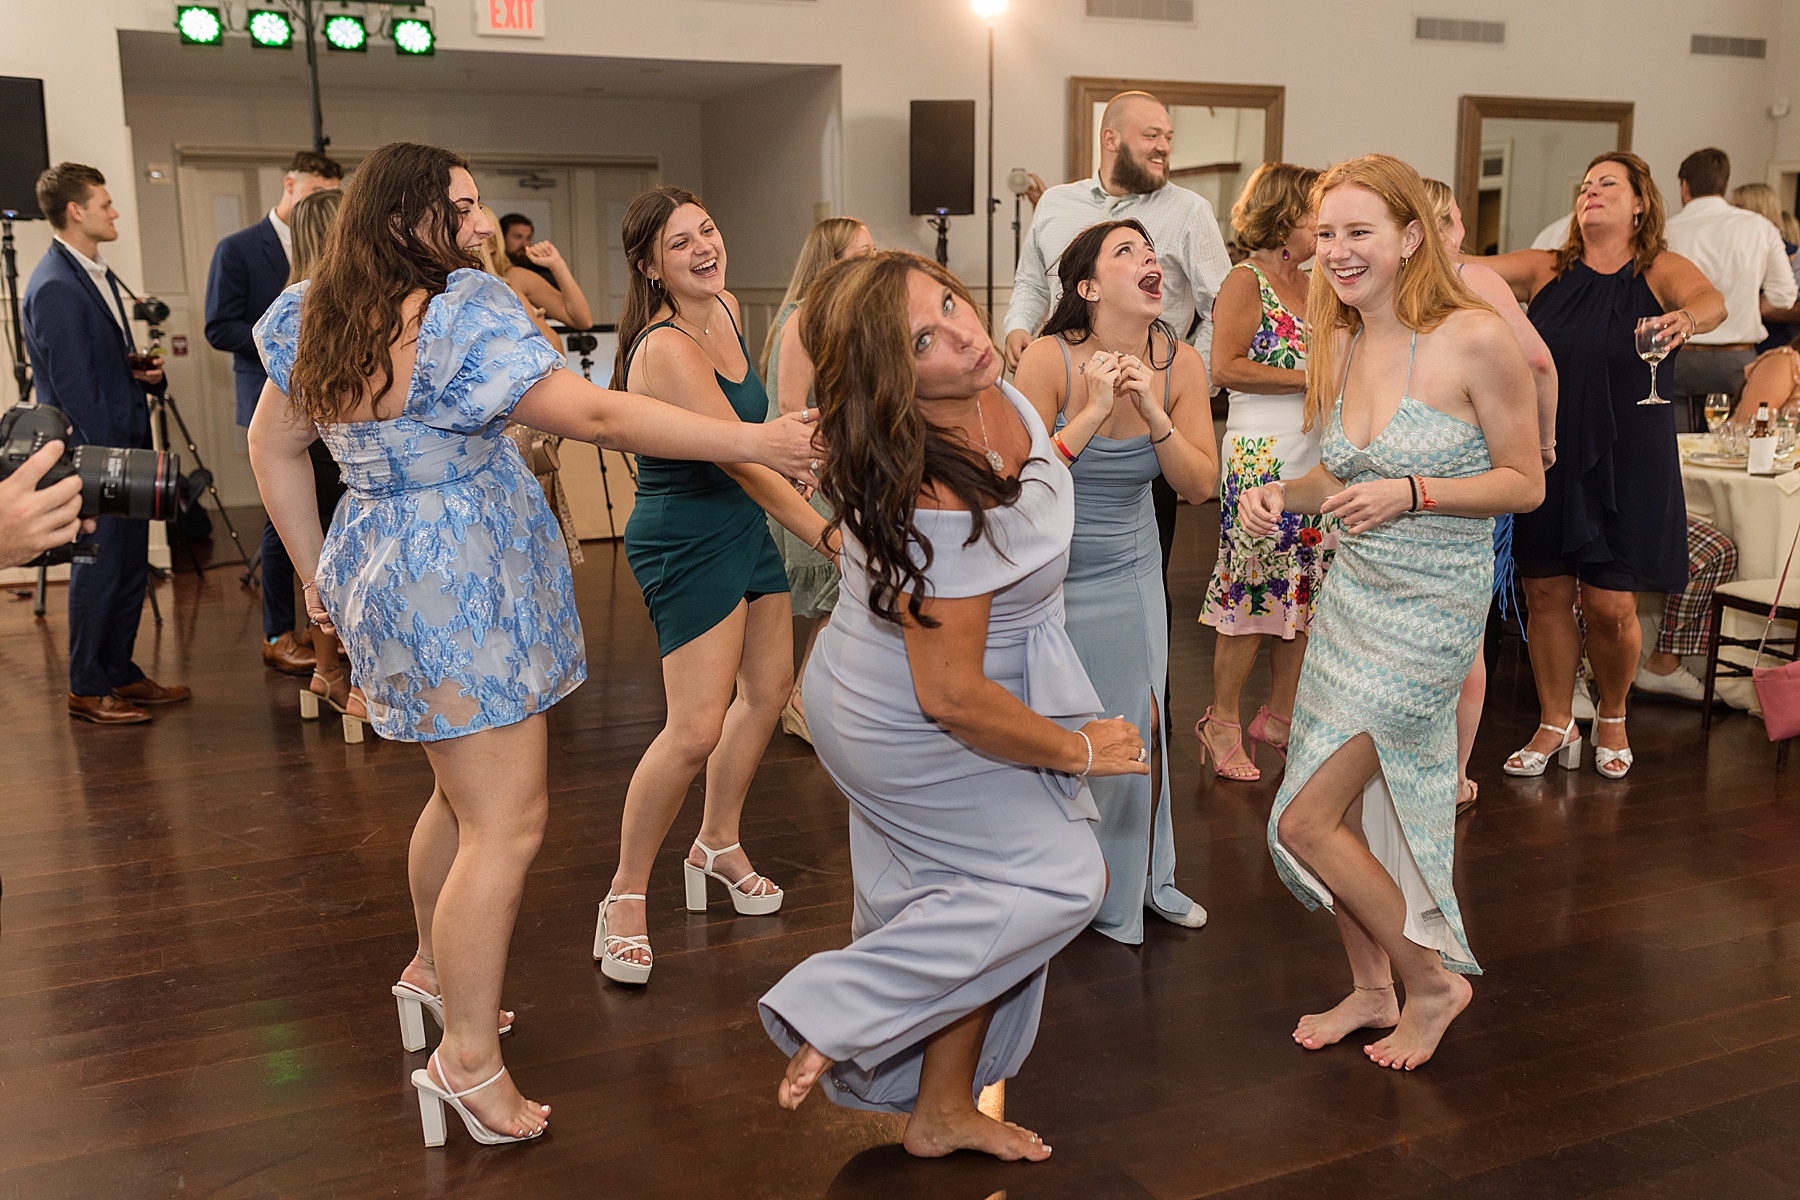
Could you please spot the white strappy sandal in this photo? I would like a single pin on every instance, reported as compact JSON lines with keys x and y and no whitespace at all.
{"x":744,"y":896}
{"x":433,"y":1096}
{"x":609,"y":948}
{"x":414,"y":1003}
{"x":1609,"y":762}
{"x":1567,"y":755}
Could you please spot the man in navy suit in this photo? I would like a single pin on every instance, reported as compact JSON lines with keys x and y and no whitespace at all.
{"x":249,"y":270}
{"x":78,"y":334}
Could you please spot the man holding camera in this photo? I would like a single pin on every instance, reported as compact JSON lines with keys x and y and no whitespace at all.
{"x":78,"y":335}
{"x":33,"y":519}
{"x":249,"y":270}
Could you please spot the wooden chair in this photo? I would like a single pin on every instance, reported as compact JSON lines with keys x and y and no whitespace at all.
{"x":1753,"y":596}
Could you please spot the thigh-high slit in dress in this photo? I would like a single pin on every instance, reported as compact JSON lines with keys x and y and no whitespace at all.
{"x":970,"y":872}
{"x":1398,"y":625}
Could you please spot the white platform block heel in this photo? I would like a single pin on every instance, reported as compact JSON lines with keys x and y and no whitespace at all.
{"x":414,"y":1003}
{"x":610,"y":948}
{"x":744,"y":896}
{"x":1567,"y":755}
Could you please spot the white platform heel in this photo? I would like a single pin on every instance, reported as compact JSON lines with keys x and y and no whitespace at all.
{"x":610,"y":948}
{"x":1567,"y":755}
{"x":744,"y":896}
{"x":414,"y":1003}
{"x":1611,"y":763}
{"x":432,"y":1098}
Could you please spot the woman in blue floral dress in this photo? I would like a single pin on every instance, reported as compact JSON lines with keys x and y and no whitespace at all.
{"x":444,"y":571}
{"x":1263,"y":587}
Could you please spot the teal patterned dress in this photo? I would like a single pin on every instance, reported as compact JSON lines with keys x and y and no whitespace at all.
{"x":1398,"y":625}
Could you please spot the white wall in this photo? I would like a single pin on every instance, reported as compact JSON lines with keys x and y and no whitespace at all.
{"x":1355,"y":79}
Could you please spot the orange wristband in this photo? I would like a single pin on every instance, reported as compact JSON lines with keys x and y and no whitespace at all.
{"x":1063,"y":448}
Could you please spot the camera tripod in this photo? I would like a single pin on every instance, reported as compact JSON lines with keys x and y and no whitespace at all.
{"x":583,"y":342}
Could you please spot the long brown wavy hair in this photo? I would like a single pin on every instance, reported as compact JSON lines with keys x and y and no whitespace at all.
{"x":395,"y":236}
{"x":883,"y":452}
{"x":1428,"y":290}
{"x":1073,"y":317}
{"x":1647,"y":240}
{"x":639,"y":233}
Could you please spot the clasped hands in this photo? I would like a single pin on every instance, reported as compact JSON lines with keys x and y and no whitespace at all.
{"x":1111,"y":375}
{"x":1358,"y":508}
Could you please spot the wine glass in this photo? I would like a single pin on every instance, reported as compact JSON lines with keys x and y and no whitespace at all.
{"x":1652,"y":349}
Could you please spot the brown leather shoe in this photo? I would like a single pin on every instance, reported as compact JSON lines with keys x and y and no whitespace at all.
{"x":289,"y":655}
{"x":147,"y":691}
{"x":106,"y":710}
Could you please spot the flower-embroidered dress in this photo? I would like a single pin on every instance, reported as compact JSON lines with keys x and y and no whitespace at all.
{"x":444,"y":570}
{"x":1268,"y":585}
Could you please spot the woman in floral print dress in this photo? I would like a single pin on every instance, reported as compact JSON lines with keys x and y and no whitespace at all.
{"x":1263,"y":586}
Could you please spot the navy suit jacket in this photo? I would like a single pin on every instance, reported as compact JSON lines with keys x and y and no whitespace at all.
{"x":249,"y":270}
{"x":79,"y":356}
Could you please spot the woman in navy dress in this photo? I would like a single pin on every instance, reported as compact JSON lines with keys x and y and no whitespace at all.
{"x":949,"y":705}
{"x":1613,"y":522}
{"x":444,"y":572}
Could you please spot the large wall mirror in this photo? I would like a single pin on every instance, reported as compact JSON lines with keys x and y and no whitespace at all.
{"x":1223,"y":132}
{"x":1519,"y":161}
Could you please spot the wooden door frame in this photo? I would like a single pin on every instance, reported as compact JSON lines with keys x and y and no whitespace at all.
{"x":1085,"y":91}
{"x":1471,"y":111}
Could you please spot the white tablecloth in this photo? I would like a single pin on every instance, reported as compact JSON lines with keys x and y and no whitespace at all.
{"x":1758,"y":512}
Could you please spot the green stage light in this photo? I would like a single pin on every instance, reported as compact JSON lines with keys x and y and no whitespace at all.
{"x":346,"y":31}
{"x":271,"y":29}
{"x":200,"y":24}
{"x":413,"y":35}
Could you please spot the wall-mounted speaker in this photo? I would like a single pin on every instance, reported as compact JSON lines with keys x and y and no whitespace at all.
{"x":24,"y":146}
{"x":943,"y":157}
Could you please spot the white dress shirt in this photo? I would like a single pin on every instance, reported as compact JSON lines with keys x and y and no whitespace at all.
{"x":97,"y":271}
{"x":284,"y":233}
{"x":1741,"y":253}
{"x":1182,"y":229}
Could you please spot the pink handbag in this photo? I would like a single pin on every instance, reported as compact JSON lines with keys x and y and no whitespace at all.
{"x":1778,"y":688}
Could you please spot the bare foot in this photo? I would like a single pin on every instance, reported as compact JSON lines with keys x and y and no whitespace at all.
{"x":1422,"y":1023}
{"x":803,"y":1070}
{"x":1364,"y":1008}
{"x":423,"y":976}
{"x":499,"y":1105}
{"x":936,"y":1136}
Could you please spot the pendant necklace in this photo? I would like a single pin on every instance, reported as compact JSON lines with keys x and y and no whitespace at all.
{"x":994,"y":461}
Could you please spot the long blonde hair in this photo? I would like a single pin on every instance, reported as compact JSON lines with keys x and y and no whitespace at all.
{"x":492,"y":251}
{"x":1427,"y":291}
{"x":824,"y":245}
{"x":1761,"y":199}
{"x":311,"y":220}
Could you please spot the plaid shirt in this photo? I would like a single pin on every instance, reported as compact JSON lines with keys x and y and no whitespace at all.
{"x":1182,"y":229}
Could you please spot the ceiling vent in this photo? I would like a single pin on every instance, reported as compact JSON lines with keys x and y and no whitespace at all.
{"x":1180,"y":11}
{"x":1730,"y":47}
{"x":1450,"y":29}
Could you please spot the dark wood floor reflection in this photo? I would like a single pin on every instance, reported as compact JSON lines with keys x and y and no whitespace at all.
{"x":201,"y":919}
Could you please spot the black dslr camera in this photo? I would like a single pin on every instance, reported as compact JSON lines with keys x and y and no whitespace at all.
{"x":140,"y":484}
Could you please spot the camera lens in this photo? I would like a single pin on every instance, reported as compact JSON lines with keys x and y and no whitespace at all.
{"x":127,"y":483}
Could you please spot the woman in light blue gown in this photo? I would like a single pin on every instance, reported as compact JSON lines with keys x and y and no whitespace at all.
{"x":948,"y":704}
{"x":444,"y":572}
{"x":1429,"y":433}
{"x":1128,"y":401}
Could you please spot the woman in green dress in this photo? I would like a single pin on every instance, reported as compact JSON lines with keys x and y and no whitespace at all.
{"x":714,"y":585}
{"x":787,"y":371}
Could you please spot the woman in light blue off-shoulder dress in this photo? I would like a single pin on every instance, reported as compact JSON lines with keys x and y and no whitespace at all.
{"x":1428,"y":433}
{"x":444,"y":572}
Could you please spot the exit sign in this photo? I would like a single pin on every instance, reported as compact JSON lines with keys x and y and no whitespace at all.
{"x":509,"y":18}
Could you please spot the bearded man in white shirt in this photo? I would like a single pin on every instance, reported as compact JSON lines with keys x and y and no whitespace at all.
{"x":1741,"y":253}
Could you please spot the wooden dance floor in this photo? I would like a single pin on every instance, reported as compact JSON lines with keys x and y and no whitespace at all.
{"x":201,"y":919}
